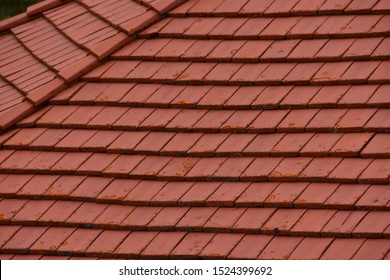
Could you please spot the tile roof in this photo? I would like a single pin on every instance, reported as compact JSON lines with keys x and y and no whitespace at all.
{"x":195,"y":129}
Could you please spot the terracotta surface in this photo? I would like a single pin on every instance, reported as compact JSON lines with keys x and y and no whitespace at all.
{"x":173,"y":129}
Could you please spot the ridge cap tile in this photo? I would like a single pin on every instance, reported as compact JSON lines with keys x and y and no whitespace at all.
{"x":43,"y":6}
{"x":8,"y":23}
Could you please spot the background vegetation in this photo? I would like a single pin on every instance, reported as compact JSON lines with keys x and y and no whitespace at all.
{"x":9,"y":8}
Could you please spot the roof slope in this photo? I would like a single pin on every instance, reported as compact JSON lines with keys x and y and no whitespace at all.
{"x":227,"y":129}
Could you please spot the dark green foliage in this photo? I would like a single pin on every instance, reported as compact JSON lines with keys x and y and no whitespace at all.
{"x":9,"y":8}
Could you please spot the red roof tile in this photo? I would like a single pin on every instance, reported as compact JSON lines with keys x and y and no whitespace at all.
{"x":191,"y":245}
{"x":195,"y":129}
{"x":221,"y":245}
{"x":310,"y":248}
{"x":280,"y":248}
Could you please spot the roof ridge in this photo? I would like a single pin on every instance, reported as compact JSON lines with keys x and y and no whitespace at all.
{"x":72,"y":72}
{"x":32,"y":11}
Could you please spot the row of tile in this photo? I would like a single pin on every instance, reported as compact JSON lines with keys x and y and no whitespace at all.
{"x":279,"y":7}
{"x":341,"y":170}
{"x":259,"y":121}
{"x":316,"y":73}
{"x":42,"y":257}
{"x":213,"y":194}
{"x":83,"y":27}
{"x":73,"y":18}
{"x":199,"y":144}
{"x":227,"y":97}
{"x":256,"y":50}
{"x":340,"y":26}
{"x":46,"y":43}
{"x":19,"y":68}
{"x":118,"y":12}
{"x":182,"y":245}
{"x":271,"y":221}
